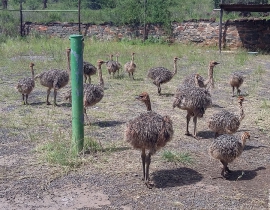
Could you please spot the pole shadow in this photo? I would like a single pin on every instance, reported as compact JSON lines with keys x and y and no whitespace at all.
{"x":108,"y":123}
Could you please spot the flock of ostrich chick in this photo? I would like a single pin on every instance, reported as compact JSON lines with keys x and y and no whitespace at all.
{"x":150,"y":131}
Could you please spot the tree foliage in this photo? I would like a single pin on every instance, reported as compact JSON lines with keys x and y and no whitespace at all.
{"x":98,"y":4}
{"x":143,"y":11}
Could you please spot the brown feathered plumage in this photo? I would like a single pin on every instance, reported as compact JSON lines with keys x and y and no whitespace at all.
{"x":236,"y":80}
{"x":88,"y":70}
{"x":26,"y":85}
{"x":92,"y":93}
{"x":195,"y":101}
{"x":112,"y":66}
{"x":226,"y":122}
{"x":161,"y":75}
{"x":130,"y":66}
{"x":55,"y":79}
{"x":119,"y":65}
{"x":203,"y":83}
{"x":226,"y":148}
{"x":149,"y":131}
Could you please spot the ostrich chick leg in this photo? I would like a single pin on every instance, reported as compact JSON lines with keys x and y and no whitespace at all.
{"x":23,"y":99}
{"x":233,"y":91}
{"x":148,"y":161}
{"x":87,"y":119}
{"x":195,"y":126}
{"x":48,"y":94}
{"x":143,"y":155}
{"x":224,"y":171}
{"x":188,"y":119}
{"x":158,"y":86}
{"x":159,"y":89}
{"x":238,"y":92}
{"x":26,"y":99}
{"x":54,"y":97}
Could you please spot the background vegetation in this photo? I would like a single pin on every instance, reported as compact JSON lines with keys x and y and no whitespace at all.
{"x":112,"y":11}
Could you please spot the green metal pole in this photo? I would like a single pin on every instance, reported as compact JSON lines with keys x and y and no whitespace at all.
{"x":76,"y":45}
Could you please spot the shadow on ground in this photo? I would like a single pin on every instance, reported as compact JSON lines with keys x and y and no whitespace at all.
{"x":109,"y":123}
{"x":167,"y":94}
{"x":249,"y":147}
{"x":176,"y":177}
{"x":206,"y":134}
{"x":240,"y":175}
{"x":217,"y":106}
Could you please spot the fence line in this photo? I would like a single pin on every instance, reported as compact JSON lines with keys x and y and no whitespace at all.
{"x":26,"y":10}
{"x":21,"y":10}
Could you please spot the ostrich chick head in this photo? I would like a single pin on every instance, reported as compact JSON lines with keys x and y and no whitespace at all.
{"x":144,"y":97}
{"x":213,"y":63}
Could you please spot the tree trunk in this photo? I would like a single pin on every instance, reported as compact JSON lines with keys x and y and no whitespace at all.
{"x":146,"y":31}
{"x":45,"y":4}
{"x":4,"y":4}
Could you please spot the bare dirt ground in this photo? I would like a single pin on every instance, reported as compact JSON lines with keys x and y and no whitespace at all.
{"x":112,"y":180}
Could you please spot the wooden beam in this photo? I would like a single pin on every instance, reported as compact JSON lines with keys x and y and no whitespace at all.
{"x":246,"y":7}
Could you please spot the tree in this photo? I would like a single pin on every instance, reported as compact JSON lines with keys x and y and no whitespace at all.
{"x":140,"y":11}
{"x":144,"y":12}
{"x":98,"y":4}
{"x":129,"y":12}
{"x":216,"y":3}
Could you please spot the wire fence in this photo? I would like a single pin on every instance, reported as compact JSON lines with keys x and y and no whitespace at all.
{"x":23,"y":12}
{"x":41,"y":15}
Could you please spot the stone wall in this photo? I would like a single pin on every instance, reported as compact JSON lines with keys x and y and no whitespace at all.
{"x":252,"y":34}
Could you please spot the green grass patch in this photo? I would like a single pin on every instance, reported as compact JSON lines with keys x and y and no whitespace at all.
{"x":59,"y":151}
{"x":184,"y":158}
{"x":263,"y":117}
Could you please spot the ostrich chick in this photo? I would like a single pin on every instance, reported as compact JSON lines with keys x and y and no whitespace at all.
{"x":26,"y":85}
{"x":92,"y":93}
{"x":88,"y":70}
{"x":236,"y":80}
{"x":225,"y":121}
{"x":226,"y":148}
{"x":112,"y":66}
{"x":161,"y":75}
{"x":195,"y":101}
{"x":130,"y":66}
{"x":55,"y":79}
{"x":148,"y":132}
{"x":119,"y":65}
{"x":203,"y":83}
